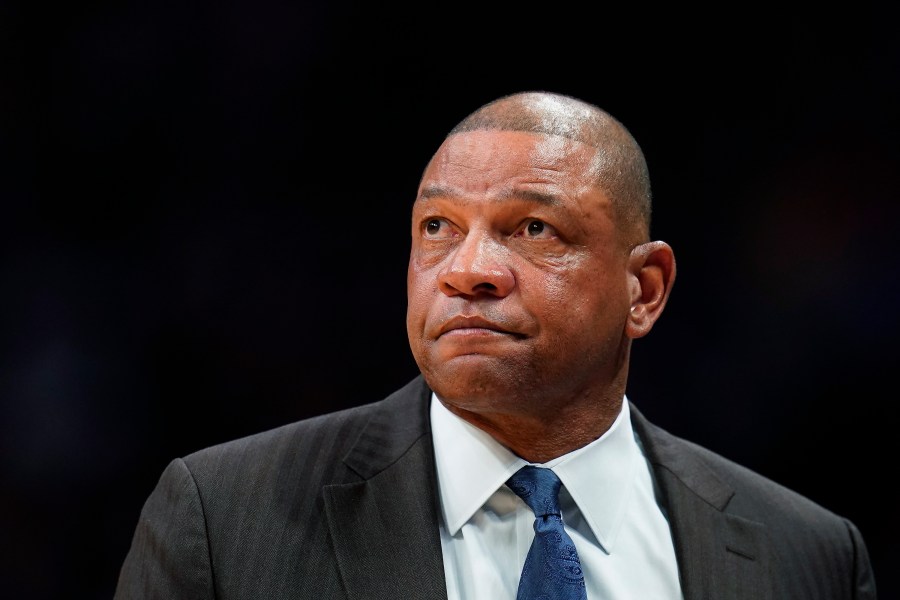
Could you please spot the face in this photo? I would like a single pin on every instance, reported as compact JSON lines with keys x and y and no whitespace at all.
{"x":517,"y":281}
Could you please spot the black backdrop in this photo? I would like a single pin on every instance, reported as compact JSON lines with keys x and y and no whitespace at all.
{"x":205,"y":233}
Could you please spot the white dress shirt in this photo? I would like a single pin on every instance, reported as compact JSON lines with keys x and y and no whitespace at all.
{"x":608,"y":506}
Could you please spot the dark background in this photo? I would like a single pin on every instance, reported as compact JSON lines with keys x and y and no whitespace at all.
{"x":205,"y":232}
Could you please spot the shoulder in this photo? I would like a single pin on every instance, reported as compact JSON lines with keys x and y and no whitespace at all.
{"x":760,"y":497}
{"x":340,"y":427}
{"x":730,"y":486}
{"x":712,"y":501}
{"x":310,"y":448}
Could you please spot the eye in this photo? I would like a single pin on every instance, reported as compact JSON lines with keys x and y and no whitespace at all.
{"x":436,"y":228}
{"x":536,"y":229}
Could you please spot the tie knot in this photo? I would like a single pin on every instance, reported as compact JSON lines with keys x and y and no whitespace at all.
{"x":539,"y":488}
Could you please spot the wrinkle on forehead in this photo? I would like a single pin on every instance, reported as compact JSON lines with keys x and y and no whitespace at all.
{"x":538,"y":167}
{"x":549,"y":152}
{"x":507,"y":193}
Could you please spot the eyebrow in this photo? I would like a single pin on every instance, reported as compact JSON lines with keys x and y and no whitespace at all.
{"x":437,"y":191}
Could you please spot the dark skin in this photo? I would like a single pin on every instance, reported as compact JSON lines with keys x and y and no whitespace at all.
{"x":524,"y":291}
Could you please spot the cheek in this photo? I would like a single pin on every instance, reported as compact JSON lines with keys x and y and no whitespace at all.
{"x":582,"y":300}
{"x":419,"y":285}
{"x":570,"y":286}
{"x":558,"y":296}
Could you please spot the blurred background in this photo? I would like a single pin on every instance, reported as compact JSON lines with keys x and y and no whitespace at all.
{"x":205,"y":229}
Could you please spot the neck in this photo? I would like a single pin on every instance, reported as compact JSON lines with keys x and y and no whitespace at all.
{"x":541,"y":436}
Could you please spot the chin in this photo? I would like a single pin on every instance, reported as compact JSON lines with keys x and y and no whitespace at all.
{"x":469,"y":383}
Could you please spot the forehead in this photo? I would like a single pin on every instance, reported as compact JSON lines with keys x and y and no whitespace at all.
{"x":480,"y":161}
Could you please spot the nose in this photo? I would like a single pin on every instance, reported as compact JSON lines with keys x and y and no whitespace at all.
{"x":478,"y":266}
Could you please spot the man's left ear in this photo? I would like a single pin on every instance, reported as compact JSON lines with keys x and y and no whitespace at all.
{"x":651,"y":273}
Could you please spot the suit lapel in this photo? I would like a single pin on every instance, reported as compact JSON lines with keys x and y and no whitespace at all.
{"x":720,"y":555}
{"x":385,"y":527}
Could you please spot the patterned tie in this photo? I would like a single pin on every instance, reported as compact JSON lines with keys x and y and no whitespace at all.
{"x":552,"y":570}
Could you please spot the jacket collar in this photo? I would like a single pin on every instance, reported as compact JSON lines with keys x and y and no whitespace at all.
{"x":720,"y":554}
{"x":385,"y":528}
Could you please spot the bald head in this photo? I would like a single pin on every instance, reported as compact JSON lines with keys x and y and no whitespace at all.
{"x":620,"y":167}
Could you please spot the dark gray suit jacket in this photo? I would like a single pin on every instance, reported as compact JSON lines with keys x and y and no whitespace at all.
{"x":345,"y":506}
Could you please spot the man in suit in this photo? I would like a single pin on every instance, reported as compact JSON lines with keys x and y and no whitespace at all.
{"x":531,"y":272}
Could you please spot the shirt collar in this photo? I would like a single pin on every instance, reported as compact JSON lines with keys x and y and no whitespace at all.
{"x":472,"y":465}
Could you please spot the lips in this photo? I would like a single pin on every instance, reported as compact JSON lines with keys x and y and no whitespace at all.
{"x":473,"y":323}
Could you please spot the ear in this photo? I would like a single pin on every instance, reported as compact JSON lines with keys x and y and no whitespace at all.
{"x":651,"y":273}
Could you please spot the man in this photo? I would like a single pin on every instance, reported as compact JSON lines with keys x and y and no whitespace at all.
{"x":531,"y":272}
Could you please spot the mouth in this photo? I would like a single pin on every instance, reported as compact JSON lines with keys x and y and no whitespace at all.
{"x":474,"y":325}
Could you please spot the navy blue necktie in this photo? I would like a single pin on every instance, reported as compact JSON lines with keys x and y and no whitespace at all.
{"x":552,"y":570}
